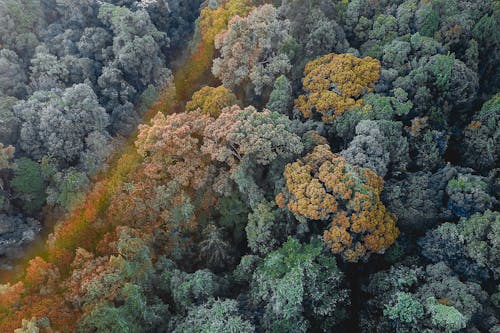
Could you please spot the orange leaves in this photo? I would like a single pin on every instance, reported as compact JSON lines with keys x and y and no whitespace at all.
{"x":171,"y":148}
{"x":211,"y":100}
{"x":10,"y":294}
{"x":323,"y":186}
{"x":42,"y":276}
{"x":334,"y":84}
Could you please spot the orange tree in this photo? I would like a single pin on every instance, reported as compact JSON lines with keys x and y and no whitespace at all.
{"x":334,"y":84}
{"x":322,"y":186}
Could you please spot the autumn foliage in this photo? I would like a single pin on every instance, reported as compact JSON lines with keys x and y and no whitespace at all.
{"x":335,"y":83}
{"x":211,"y":100}
{"x":324,"y":187}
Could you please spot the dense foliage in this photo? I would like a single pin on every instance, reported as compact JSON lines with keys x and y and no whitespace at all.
{"x":305,"y":166}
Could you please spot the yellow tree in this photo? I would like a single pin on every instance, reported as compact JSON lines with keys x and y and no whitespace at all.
{"x":211,"y":100}
{"x":322,"y":186}
{"x":335,"y":83}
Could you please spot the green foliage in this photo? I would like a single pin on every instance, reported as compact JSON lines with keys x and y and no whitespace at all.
{"x":215,"y":252}
{"x":299,"y":287}
{"x":486,"y":29}
{"x":482,"y":137}
{"x":281,"y":98}
{"x":405,"y":309}
{"x":192,"y":289}
{"x":469,"y":194}
{"x":68,"y":189}
{"x":429,"y":20}
{"x":29,"y":184}
{"x":21,"y":20}
{"x":441,"y":68}
{"x":416,"y":299}
{"x":387,"y":107}
{"x":260,"y":230}
{"x":245,"y":269}
{"x":221,"y":316}
{"x":135,"y":314}
{"x":470,"y":247}
{"x":446,"y":317}
{"x":233,"y":216}
{"x":148,"y":98}
{"x":249,"y":50}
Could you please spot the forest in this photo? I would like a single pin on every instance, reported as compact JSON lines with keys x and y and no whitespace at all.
{"x":238,"y":166}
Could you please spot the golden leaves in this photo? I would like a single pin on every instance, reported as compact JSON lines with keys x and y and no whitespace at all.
{"x":324,"y":187}
{"x":334,"y":84}
{"x":211,"y":100}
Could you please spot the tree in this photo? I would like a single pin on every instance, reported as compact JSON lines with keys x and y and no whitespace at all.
{"x":12,"y":76}
{"x":318,"y":32}
{"x":29,"y":185}
{"x":47,"y":70}
{"x":262,"y":229}
{"x":415,"y":299}
{"x":20,"y":21}
{"x":192,"y":289}
{"x":482,"y":137}
{"x":41,"y":276}
{"x":454,"y":80}
{"x":66,"y":188}
{"x":250,"y":50}
{"x":376,"y":107}
{"x":325,"y":187}
{"x":469,"y":194}
{"x":470,"y":247}
{"x":214,"y":316}
{"x":9,"y":127}
{"x":136,"y":45}
{"x":114,"y":89}
{"x":378,"y":145}
{"x":211,"y":100}
{"x":94,"y":43}
{"x":418,"y":198}
{"x":214,"y":250}
{"x":281,"y":99}
{"x":134,"y":314}
{"x":427,"y":146}
{"x":58,"y":123}
{"x":250,"y":142}
{"x":171,"y":148}
{"x":404,"y":310}
{"x":334,"y":84}
{"x":299,"y":288}
{"x":439,"y":86}
{"x":251,"y":135}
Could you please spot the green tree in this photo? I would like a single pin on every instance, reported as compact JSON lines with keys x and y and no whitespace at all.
{"x":281,"y":98}
{"x":471,"y":247}
{"x":29,"y":185}
{"x":250,"y":50}
{"x":134,"y":314}
{"x":299,"y":288}
{"x":214,"y":316}
{"x":482,"y":137}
